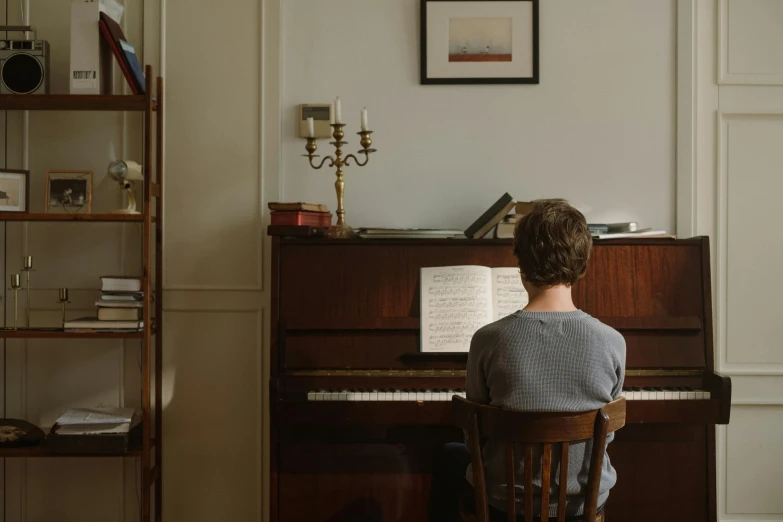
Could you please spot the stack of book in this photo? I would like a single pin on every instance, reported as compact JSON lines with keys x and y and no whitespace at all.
{"x":505,"y":229}
{"x":501,"y":217}
{"x":119,"y":308}
{"x":299,"y":219}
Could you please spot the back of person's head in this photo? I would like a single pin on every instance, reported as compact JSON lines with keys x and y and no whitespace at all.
{"x":552,"y":244}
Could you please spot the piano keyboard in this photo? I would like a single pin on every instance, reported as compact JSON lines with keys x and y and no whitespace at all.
{"x":651,"y":393}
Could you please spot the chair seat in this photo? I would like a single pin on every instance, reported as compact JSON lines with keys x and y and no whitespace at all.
{"x":467,"y":513}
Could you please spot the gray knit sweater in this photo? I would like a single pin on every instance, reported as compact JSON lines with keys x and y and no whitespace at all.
{"x":546,"y":361}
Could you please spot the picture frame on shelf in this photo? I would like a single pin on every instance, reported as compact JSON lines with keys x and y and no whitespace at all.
{"x":479,"y":42}
{"x":15,"y":191}
{"x":68,"y":192}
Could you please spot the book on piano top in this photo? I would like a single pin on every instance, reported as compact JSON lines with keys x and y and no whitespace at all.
{"x":458,"y":300}
{"x":491,"y":217}
{"x":298,"y":206}
{"x":408,"y":233}
{"x":647,"y":233}
{"x":301,"y":217}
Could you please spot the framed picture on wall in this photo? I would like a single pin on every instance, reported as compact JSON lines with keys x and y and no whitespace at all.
{"x":69,"y":192}
{"x":14,"y":190}
{"x":479,"y":41}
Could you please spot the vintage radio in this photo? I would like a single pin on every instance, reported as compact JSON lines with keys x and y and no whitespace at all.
{"x":24,"y":64}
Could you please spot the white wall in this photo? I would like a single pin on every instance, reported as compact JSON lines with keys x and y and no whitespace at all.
{"x":740,"y":131}
{"x":598,"y":130}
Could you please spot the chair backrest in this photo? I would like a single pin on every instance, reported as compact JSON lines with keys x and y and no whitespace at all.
{"x":531,"y":429}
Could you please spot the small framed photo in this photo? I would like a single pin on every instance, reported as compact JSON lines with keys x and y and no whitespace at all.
{"x":69,"y":191}
{"x":14,"y":190}
{"x":479,"y":41}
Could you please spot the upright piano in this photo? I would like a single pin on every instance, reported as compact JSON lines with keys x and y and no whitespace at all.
{"x":358,"y":413}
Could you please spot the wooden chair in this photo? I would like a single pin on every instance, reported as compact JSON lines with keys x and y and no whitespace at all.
{"x":481,"y":421}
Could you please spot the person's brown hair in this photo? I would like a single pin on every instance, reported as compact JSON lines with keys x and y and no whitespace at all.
{"x":552,"y":244}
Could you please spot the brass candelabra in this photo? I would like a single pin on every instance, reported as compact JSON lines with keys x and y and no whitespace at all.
{"x":340,"y":230}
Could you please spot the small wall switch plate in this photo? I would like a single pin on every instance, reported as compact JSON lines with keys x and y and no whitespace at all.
{"x":322,"y":117}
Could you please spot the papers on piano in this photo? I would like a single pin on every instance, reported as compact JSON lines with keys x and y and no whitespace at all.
{"x":458,"y":300}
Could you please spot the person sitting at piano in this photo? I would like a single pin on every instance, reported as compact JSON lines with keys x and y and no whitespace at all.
{"x":549,"y":356}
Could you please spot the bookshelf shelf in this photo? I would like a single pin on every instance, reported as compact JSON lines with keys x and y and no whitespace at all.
{"x":64,"y":218}
{"x":33,"y":333}
{"x":73,"y":102}
{"x":43,"y":451}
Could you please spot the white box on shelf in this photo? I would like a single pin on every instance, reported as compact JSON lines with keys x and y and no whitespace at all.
{"x":91,"y":71}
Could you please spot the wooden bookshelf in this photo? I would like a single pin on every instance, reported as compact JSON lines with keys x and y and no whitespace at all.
{"x":149,"y":451}
{"x":73,"y":102}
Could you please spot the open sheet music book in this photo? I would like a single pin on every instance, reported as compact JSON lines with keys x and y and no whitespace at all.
{"x":458,"y":300}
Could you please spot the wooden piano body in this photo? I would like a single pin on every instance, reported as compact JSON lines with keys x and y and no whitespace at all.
{"x":345,"y":316}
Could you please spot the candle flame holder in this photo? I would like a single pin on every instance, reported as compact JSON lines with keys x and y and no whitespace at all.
{"x":340,"y":230}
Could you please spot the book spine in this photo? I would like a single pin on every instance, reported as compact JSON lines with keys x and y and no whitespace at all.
{"x":118,"y":55}
{"x":313,"y":219}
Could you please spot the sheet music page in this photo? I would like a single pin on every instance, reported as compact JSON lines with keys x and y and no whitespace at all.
{"x":508,"y":294}
{"x":455,"y":302}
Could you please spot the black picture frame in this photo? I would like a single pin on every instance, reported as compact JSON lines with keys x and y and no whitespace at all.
{"x":425,"y":80}
{"x":25,"y":174}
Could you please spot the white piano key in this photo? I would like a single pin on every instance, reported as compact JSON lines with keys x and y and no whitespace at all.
{"x":405,"y":395}
{"x":351,"y":396}
{"x":319,"y":395}
{"x":397,"y":395}
{"x":311,"y":396}
{"x":462,"y":394}
{"x":645,"y":395}
{"x":444,"y":396}
{"x":374,"y":396}
{"x":690,"y":395}
{"x":707,"y":395}
{"x":699,"y":395}
{"x":660,"y":395}
{"x":419,"y":395}
{"x":389,"y":395}
{"x":668,"y":395}
{"x":427,"y":395}
{"x":636,"y":395}
{"x":365,"y":396}
{"x":342,"y":395}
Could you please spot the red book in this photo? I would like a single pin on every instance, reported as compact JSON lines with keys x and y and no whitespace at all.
{"x":106,"y":33}
{"x":313,"y":219}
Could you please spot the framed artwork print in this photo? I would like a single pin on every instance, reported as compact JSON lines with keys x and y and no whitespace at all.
{"x":69,"y":191}
{"x":14,"y":190}
{"x":479,"y":41}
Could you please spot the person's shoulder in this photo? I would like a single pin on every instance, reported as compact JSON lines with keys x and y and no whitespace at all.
{"x":494,"y":331}
{"x":605,"y":332}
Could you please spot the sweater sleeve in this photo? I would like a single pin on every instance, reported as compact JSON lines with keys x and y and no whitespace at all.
{"x":619,"y":351}
{"x":476,"y":385}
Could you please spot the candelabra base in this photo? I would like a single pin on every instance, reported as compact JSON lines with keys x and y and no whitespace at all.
{"x":340,"y":232}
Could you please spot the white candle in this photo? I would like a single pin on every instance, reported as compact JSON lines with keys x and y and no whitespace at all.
{"x":310,"y":128}
{"x":364,"y":120}
{"x":338,"y":113}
